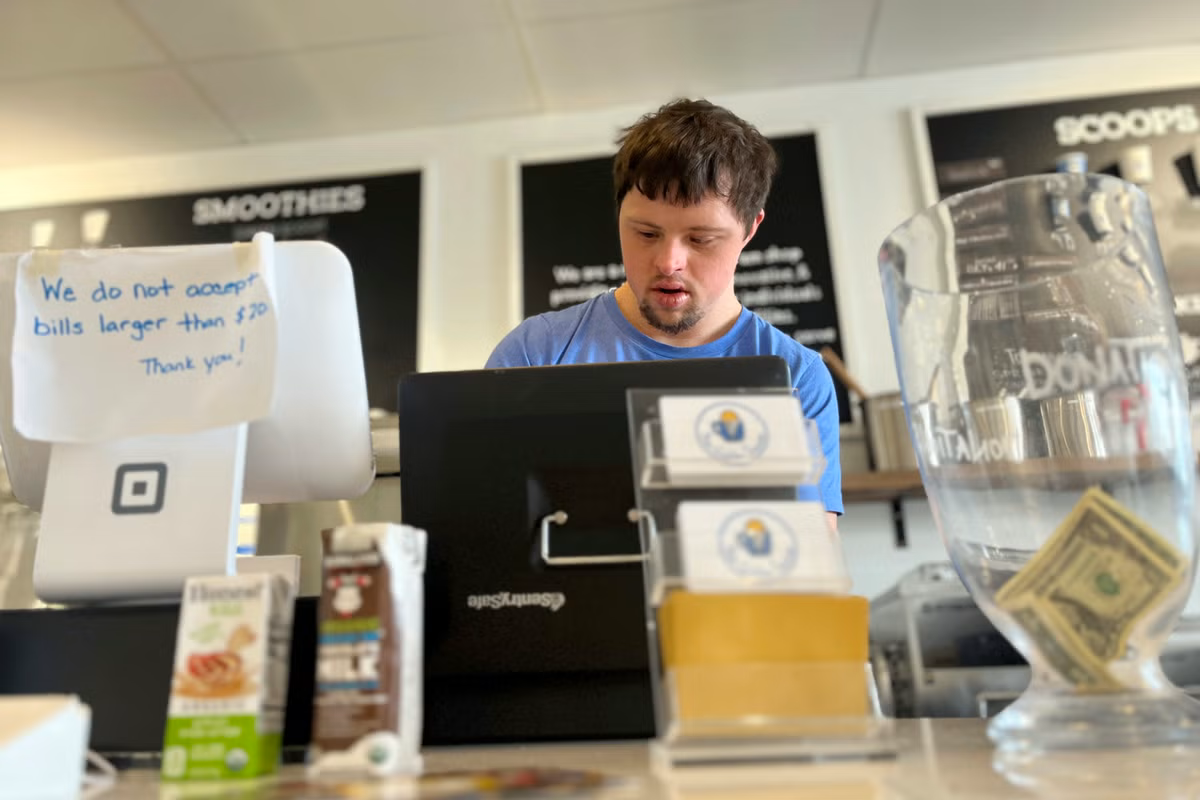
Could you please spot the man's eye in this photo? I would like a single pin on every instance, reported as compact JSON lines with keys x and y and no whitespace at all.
{"x":647,"y":234}
{"x":702,"y":241}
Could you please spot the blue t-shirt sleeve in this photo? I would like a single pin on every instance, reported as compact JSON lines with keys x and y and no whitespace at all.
{"x":512,"y":350}
{"x":814,"y":387}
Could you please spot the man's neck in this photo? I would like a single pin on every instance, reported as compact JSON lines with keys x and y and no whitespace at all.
{"x":716,"y":322}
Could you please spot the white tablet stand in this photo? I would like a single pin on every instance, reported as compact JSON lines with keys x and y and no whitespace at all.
{"x":131,"y":520}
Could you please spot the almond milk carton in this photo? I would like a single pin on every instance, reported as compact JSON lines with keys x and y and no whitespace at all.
{"x":229,"y":687}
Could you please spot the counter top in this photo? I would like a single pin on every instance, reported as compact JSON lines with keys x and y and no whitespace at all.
{"x":938,"y":759}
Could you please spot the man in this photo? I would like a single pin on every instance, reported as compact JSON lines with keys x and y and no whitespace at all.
{"x":691,"y":181}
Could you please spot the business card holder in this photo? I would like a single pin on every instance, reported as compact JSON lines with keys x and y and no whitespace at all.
{"x":758,"y":654}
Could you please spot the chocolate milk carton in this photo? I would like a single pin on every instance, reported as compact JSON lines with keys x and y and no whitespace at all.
{"x":229,"y":687}
{"x":367,"y":701}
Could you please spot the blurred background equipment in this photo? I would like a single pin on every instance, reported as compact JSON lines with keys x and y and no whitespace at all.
{"x":935,"y":654}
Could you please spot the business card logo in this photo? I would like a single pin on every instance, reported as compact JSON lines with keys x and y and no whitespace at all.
{"x":757,"y":544}
{"x":731,"y":433}
{"x":139,"y":488}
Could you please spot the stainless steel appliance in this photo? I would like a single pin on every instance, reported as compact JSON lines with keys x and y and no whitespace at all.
{"x":934,"y":653}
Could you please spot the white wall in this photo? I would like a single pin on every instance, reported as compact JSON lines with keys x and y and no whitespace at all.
{"x":870,"y":171}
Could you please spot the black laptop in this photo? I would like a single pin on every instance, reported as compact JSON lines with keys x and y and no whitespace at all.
{"x":516,"y":649}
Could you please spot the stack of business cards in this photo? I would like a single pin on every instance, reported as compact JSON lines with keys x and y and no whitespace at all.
{"x":738,"y":440}
{"x":776,"y":546}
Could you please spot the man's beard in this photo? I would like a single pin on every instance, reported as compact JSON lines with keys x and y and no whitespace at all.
{"x":686,"y":321}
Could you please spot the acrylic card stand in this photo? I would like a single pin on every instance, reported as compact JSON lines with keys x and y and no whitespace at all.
{"x":747,"y":611}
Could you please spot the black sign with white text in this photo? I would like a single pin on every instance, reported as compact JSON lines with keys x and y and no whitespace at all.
{"x":1151,"y":139}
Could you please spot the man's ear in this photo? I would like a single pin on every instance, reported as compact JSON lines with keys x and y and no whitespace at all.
{"x":754,"y":226}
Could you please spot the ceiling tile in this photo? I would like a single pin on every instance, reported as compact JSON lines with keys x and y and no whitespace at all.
{"x":57,"y":37}
{"x":970,"y":33}
{"x":542,"y":10}
{"x":371,"y":87}
{"x":112,"y":115}
{"x":658,"y":54}
{"x":216,"y":28}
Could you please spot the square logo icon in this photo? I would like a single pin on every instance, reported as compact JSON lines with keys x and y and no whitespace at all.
{"x":139,"y":488}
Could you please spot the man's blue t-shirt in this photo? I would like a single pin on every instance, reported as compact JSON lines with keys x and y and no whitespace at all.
{"x":597,"y":332}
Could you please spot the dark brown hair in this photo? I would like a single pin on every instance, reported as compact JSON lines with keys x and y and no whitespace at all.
{"x":689,"y":148}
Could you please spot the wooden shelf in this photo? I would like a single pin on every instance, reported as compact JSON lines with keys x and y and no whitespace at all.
{"x":1050,"y":473}
{"x":881,"y":487}
{"x":1059,"y":473}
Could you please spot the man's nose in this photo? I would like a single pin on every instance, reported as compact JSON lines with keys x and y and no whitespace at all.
{"x":670,"y":256}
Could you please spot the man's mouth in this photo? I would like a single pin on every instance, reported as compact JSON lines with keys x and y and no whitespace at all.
{"x":670,"y":295}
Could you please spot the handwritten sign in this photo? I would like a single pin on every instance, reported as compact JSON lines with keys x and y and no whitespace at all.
{"x":115,"y":343}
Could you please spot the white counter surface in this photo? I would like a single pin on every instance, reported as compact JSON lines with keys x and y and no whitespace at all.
{"x":937,"y":759}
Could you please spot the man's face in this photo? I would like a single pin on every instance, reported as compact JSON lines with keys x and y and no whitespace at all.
{"x":680,"y":260}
